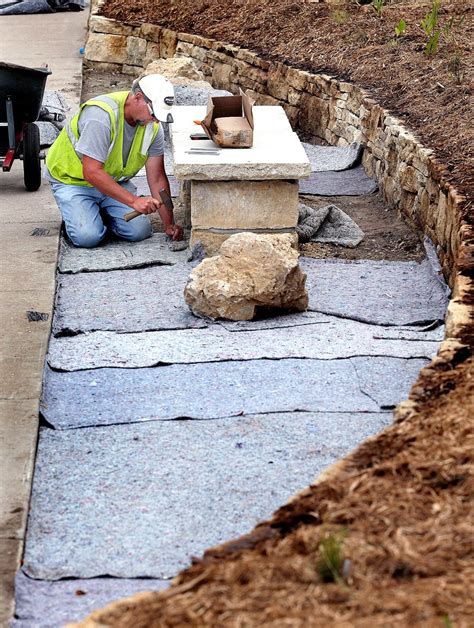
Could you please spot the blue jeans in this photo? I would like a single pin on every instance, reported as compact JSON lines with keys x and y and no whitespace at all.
{"x":87,"y":213}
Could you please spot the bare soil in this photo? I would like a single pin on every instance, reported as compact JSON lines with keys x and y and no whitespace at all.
{"x":387,"y":236}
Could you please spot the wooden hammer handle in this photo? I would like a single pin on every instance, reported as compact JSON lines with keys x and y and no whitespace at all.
{"x":165,"y":197}
{"x":132,"y":215}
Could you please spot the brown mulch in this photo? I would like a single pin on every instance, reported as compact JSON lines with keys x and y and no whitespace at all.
{"x":431,"y":94}
{"x":403,"y":510}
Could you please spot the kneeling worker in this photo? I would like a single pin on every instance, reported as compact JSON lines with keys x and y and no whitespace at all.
{"x":89,"y":165}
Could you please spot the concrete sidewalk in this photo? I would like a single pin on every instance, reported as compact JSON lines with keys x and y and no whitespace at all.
{"x":28,"y":245}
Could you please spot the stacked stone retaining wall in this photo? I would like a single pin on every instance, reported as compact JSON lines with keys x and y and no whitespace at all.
{"x":337,"y":112}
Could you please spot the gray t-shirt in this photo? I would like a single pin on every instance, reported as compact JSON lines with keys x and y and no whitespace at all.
{"x":95,"y":133}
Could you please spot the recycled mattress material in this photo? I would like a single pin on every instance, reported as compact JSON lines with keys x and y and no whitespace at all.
{"x":108,"y":396}
{"x":131,"y":506}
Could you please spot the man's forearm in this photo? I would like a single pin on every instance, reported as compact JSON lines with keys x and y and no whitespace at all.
{"x":107,"y":185}
{"x":156,"y":186}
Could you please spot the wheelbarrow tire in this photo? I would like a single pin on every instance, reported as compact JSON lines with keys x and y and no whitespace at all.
{"x":31,"y":157}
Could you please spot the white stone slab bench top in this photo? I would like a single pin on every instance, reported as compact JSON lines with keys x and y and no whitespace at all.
{"x":277,"y":152}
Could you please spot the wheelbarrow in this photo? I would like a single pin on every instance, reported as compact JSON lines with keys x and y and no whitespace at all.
{"x":21,"y":95}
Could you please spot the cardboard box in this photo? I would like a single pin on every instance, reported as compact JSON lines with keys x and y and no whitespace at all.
{"x":229,"y":121}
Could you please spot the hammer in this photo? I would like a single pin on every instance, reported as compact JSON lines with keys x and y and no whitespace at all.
{"x":167,"y":202}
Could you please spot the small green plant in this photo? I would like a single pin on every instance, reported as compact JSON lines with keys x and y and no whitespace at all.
{"x":451,"y":25}
{"x":433,"y":30}
{"x":447,"y":621}
{"x":378,"y":6}
{"x":331,"y":558}
{"x":400,"y":28}
{"x":340,"y":16}
{"x":429,"y":24}
{"x":455,"y":67}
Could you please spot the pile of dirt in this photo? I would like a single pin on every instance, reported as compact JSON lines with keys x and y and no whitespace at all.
{"x":431,"y":94}
{"x":400,"y":512}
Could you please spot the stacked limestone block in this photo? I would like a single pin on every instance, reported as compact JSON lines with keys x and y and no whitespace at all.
{"x":217,"y":212}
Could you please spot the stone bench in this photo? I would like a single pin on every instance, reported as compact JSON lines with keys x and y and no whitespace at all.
{"x":240,"y":189}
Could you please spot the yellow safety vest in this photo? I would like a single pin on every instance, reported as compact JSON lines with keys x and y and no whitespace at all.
{"x":64,"y":164}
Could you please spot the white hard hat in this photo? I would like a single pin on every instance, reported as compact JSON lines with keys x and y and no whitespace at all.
{"x":160,"y":92}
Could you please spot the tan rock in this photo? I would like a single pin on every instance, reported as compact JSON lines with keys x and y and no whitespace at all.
{"x":175,"y":67}
{"x":409,"y":178}
{"x":132,"y":70}
{"x":136,"y":50}
{"x":251,"y":271}
{"x":252,"y":58}
{"x":262,"y":99}
{"x":225,"y":48}
{"x":168,"y":42}
{"x":221,"y":73}
{"x":237,"y":80}
{"x":294,"y":96}
{"x":106,"y":48}
{"x":151,"y":32}
{"x":212,"y":240}
{"x":99,"y":24}
{"x":277,"y":84}
{"x":292,"y":114}
{"x":152,"y":53}
{"x":314,"y":114}
{"x":103,"y":67}
{"x":186,"y":50}
{"x":257,"y":75}
{"x":196,"y":40}
{"x":220,"y":56}
{"x":440,"y":224}
{"x":244,"y":204}
{"x":297,"y":79}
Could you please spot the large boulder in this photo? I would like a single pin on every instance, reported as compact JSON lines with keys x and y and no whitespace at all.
{"x":251,"y":271}
{"x":175,"y":67}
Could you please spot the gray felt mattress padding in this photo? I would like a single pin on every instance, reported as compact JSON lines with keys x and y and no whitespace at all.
{"x":353,"y":182}
{"x":330,"y":338}
{"x":118,"y":255}
{"x":333,"y":158}
{"x":48,"y":604}
{"x":376,"y":292}
{"x":141,"y":500}
{"x":108,"y":396}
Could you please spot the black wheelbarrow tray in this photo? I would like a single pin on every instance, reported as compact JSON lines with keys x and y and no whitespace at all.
{"x":21,"y":95}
